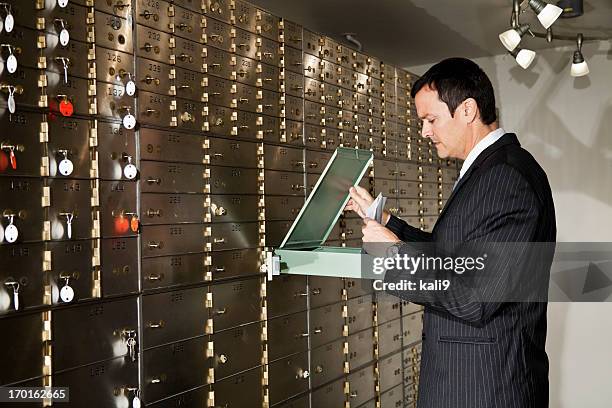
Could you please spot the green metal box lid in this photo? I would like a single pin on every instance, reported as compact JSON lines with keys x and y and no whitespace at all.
{"x":327,"y":199}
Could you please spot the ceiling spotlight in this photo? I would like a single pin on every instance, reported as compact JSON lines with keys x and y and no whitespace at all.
{"x":579,"y":65}
{"x":523,"y":57}
{"x":511,"y":38}
{"x":547,"y":13}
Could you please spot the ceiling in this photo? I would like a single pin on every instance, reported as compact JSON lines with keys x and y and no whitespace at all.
{"x":414,"y":32}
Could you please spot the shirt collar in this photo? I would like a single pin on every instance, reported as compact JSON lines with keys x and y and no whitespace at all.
{"x":487,"y":141}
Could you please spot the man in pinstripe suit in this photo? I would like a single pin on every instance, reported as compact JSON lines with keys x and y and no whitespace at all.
{"x":477,"y":354}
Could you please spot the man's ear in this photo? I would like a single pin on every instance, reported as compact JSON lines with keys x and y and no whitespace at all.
{"x":469,"y":110}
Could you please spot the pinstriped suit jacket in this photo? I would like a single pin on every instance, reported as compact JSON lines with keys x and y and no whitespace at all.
{"x":487,"y":355}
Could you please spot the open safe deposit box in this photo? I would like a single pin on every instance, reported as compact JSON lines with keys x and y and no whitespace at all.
{"x":302,"y":251}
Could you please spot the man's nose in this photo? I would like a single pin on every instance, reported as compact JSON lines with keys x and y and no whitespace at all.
{"x":426,"y":130}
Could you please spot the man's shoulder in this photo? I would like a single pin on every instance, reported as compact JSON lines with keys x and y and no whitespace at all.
{"x":513,"y":163}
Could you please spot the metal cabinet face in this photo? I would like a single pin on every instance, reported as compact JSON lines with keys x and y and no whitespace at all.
{"x":361,"y":386}
{"x":100,"y":385}
{"x":360,"y":348}
{"x":70,"y":198}
{"x":287,"y":335}
{"x":231,"y":180}
{"x":188,"y":115}
{"x":286,"y":294}
{"x":241,"y":390}
{"x":234,"y":303}
{"x":224,"y":152}
{"x":409,"y":307}
{"x":284,"y":183}
{"x":288,"y":377}
{"x":93,"y":332}
{"x":387,"y":307}
{"x":160,"y":240}
{"x":154,"y":109}
{"x":360,"y":314}
{"x":232,"y":208}
{"x":26,"y":83}
{"x":157,"y":177}
{"x":71,"y":264}
{"x":172,"y":368}
{"x":170,"y":146}
{"x":316,"y":161}
{"x":358,"y":287}
{"x":234,"y":235}
{"x":236,"y":350}
{"x":393,"y":397}
{"x":283,"y":158}
{"x":153,"y":44}
{"x":327,"y":363}
{"x":21,"y":131}
{"x":26,"y":264}
{"x":282,"y":208}
{"x":330,"y":395}
{"x":175,"y":270}
{"x":114,"y":32}
{"x":117,"y":208}
{"x":276,"y":232}
{"x":353,"y":228}
{"x":191,"y":399}
{"x":119,"y":266}
{"x":412,"y":328}
{"x":116,"y":146}
{"x":326,"y":324}
{"x":159,"y":208}
{"x":390,"y":371}
{"x":69,"y":138}
{"x":164,"y":319}
{"x":389,"y":337}
{"x":293,"y":60}
{"x":21,"y":348}
{"x":234,"y":263}
{"x":324,"y":290}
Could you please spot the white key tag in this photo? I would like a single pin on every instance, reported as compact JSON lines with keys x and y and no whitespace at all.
{"x":11,"y":99}
{"x":130,"y":171}
{"x":62,"y":3}
{"x":65,"y":166}
{"x":9,"y":20}
{"x":129,"y":120}
{"x":136,"y":400}
{"x":11,"y":233}
{"x":64,"y":35}
{"x":65,"y":61}
{"x":11,"y":60}
{"x":69,"y":218}
{"x":130,"y":86}
{"x":67,"y":293}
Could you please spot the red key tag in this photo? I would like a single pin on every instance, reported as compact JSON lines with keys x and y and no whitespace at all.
{"x":4,"y":161}
{"x":134,"y":223}
{"x":13,"y":159}
{"x":66,"y":107}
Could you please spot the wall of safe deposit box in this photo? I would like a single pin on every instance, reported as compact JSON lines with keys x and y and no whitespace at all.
{"x":155,"y":207}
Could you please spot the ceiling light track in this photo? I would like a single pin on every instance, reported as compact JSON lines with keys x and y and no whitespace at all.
{"x":547,"y":14}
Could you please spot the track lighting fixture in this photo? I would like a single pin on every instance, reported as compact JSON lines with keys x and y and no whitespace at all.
{"x":547,"y":13}
{"x":511,"y":38}
{"x":523,"y":57}
{"x":579,"y":66}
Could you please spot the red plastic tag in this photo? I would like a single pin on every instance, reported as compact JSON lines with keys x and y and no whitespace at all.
{"x":134,"y":224}
{"x":66,"y":108}
{"x":4,"y":161}
{"x":121,"y":225}
{"x":13,"y":160}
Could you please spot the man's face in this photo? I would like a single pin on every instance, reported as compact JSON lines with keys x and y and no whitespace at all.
{"x":446,"y":132}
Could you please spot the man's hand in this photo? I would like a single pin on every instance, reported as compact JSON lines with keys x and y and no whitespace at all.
{"x":360,"y":201}
{"x":374,"y":232}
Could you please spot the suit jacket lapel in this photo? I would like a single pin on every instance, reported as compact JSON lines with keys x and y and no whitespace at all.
{"x":508,"y":138}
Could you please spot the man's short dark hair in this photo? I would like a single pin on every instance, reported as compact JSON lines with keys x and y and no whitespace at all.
{"x":457,"y":79}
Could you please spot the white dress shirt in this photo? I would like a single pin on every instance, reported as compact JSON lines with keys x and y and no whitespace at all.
{"x":487,"y":141}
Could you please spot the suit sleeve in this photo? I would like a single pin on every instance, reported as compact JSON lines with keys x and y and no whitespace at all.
{"x":504,"y":211}
{"x":406,"y":232}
